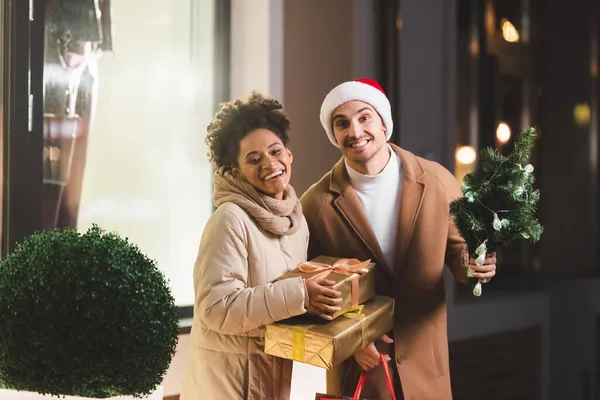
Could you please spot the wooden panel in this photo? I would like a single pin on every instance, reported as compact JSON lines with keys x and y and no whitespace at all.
{"x":497,"y":367}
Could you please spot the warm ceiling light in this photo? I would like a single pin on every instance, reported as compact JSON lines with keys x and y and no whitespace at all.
{"x":509,"y":32}
{"x":465,"y":155}
{"x":582,"y":114}
{"x":503,"y":132}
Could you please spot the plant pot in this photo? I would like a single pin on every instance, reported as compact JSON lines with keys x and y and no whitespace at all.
{"x":6,"y":394}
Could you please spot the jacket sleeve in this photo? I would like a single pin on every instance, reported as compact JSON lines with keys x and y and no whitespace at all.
{"x":225,"y":302}
{"x":456,"y":245}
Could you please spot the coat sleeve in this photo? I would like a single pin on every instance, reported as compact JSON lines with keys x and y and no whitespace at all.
{"x":225,"y":302}
{"x":456,"y":244}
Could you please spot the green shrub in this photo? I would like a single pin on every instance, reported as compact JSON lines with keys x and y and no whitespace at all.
{"x":84,"y":315}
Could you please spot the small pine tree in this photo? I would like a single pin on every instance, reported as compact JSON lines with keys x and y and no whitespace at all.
{"x":499,"y":202}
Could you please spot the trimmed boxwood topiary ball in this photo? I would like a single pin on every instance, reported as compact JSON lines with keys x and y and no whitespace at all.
{"x":84,"y":315}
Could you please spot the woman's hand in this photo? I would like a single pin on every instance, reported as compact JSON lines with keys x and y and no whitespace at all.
{"x":323,"y":300}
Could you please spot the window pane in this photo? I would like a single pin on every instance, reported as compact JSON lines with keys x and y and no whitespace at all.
{"x":128,"y":94}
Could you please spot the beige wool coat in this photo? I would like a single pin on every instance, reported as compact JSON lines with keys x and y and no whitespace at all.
{"x":236,"y":296}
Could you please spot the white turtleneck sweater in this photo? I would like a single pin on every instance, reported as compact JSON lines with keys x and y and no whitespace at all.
{"x":380,"y":198}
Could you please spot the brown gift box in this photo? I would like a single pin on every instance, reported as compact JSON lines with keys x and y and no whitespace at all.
{"x":358,"y":286}
{"x":314,"y":341}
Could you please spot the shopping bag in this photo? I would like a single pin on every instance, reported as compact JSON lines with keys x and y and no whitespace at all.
{"x":361,"y":383}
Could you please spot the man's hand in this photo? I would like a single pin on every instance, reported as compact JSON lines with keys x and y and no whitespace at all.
{"x":486,"y":271}
{"x":368,"y":358}
{"x":323,"y":300}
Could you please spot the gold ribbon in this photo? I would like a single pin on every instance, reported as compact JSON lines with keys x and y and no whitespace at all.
{"x":355,"y":312}
{"x":345,"y":266}
{"x":364,"y":333}
{"x":298,"y":343}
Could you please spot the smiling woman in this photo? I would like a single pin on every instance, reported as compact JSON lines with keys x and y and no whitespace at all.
{"x":264,"y":162}
{"x":256,"y":234}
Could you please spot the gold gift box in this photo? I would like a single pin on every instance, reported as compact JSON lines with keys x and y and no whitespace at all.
{"x":363,"y":283}
{"x":325,"y":344}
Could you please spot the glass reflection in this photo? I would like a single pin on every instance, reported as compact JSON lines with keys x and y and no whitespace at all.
{"x":128,"y":94}
{"x":76,"y":32}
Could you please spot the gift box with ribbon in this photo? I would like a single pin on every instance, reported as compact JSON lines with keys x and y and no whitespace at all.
{"x":312,"y":340}
{"x":355,"y":279}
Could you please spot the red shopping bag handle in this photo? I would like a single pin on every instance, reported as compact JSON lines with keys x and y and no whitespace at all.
{"x":363,"y":379}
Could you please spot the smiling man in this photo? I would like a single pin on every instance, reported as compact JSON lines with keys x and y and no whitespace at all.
{"x":383,"y":203}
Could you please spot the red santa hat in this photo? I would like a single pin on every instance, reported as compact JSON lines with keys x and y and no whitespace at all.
{"x":363,"y":89}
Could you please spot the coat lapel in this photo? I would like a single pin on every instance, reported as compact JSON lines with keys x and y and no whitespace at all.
{"x":349,"y":206}
{"x":413,"y":191}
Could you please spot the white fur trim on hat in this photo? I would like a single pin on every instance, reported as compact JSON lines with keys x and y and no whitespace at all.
{"x":354,"y":90}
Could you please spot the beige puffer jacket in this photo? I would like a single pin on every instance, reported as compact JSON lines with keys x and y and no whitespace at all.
{"x":236,"y":296}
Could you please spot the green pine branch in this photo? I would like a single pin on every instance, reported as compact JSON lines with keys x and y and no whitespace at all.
{"x":499,"y":201}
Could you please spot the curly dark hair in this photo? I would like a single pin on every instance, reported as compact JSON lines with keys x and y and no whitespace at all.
{"x":236,"y":119}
